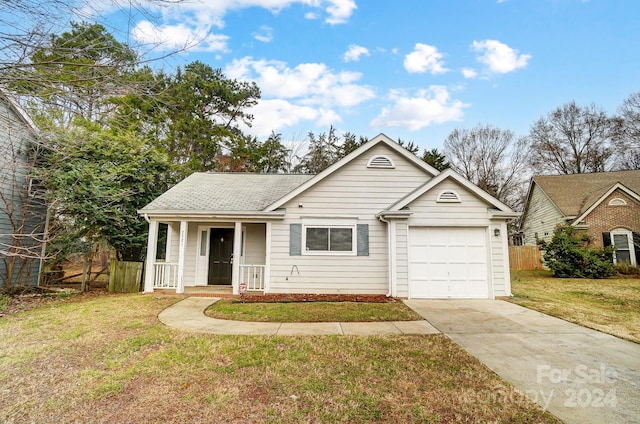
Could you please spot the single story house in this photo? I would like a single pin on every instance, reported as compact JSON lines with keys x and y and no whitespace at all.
{"x":605,"y":204}
{"x":379,"y":221}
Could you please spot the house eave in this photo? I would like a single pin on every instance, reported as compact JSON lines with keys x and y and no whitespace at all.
{"x":402,"y":214}
{"x":212,"y":215}
{"x":504,"y":214}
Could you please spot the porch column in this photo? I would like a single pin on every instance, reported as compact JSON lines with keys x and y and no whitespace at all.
{"x":237,"y":251}
{"x":152,"y":247}
{"x":267,"y":259}
{"x":181,"y":255}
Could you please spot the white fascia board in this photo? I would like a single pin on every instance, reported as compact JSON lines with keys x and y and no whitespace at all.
{"x":380,"y":138}
{"x":450,"y":173}
{"x":211,"y":215}
{"x":616,"y":186}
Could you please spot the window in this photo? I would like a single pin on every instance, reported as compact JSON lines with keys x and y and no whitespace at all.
{"x":344,"y":237}
{"x":622,"y":240}
{"x":617,"y":201}
{"x":335,"y":239}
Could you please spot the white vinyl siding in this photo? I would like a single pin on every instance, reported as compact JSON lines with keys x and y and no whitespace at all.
{"x":402,"y":260}
{"x":353,"y":192}
{"x":255,"y":244}
{"x":541,"y":218}
{"x":27,"y":214}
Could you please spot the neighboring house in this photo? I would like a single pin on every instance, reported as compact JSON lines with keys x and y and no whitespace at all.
{"x":22,"y":209}
{"x":605,"y":204}
{"x":379,"y":221}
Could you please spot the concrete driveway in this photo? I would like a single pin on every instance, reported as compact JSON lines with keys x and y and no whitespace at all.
{"x":579,"y":375}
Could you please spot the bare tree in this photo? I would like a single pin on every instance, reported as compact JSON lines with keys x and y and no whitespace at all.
{"x":493,"y":159}
{"x":628,"y":148}
{"x":23,"y":211}
{"x":573,"y":140}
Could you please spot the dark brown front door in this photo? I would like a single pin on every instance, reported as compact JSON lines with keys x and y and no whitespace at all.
{"x":220,"y":254}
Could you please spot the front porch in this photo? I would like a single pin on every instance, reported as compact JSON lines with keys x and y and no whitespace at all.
{"x":207,"y":257}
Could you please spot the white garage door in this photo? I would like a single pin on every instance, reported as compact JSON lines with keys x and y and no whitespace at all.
{"x":448,"y":263}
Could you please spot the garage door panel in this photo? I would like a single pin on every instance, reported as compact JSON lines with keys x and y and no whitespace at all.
{"x":448,"y":263}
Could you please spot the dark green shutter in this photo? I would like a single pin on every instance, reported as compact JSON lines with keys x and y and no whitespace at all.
{"x":606,"y":239}
{"x":363,"y":239}
{"x":636,"y":247}
{"x":295,"y":239}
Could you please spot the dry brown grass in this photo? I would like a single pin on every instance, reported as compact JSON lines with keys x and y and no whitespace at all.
{"x":610,"y":305}
{"x":108,"y":359}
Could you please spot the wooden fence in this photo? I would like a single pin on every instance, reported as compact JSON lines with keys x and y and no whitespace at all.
{"x":525,"y":258}
{"x":125,"y":277}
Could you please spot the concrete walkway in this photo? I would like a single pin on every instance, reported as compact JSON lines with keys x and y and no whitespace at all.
{"x":579,"y":375}
{"x":188,"y":314}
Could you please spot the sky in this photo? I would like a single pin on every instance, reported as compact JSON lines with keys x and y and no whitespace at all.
{"x":412,"y":69}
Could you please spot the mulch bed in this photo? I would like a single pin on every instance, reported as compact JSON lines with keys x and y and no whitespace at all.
{"x":280,"y":298}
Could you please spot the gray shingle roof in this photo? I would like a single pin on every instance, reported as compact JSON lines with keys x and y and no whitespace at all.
{"x":575,"y":193}
{"x":225,"y":192}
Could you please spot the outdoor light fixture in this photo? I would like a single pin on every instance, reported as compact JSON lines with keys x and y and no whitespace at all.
{"x":496,"y":232}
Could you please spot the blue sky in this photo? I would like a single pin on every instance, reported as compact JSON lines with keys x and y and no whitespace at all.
{"x":414,"y":69}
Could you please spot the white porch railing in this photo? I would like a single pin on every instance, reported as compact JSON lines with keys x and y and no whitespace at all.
{"x":253,"y":276}
{"x":165,"y":275}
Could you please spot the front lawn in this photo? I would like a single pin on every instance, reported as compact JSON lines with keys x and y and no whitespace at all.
{"x":108,"y":359}
{"x":610,"y":305}
{"x":311,"y":311}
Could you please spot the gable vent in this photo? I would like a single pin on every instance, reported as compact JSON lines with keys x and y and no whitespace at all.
{"x":449,"y":196}
{"x":617,"y":201}
{"x":380,"y":161}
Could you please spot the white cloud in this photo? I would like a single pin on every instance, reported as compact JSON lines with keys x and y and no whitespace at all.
{"x":179,"y":36}
{"x":424,"y":108}
{"x":309,"y":83}
{"x":499,"y":57}
{"x":306,"y":92}
{"x":340,"y":11}
{"x":354,"y":53}
{"x":264,"y":34}
{"x":424,"y":58}
{"x":469,"y":73}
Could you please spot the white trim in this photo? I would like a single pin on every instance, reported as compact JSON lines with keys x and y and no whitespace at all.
{"x":450,"y":174}
{"x":388,"y":162}
{"x":380,"y":138}
{"x":329,"y":224}
{"x":152,"y":247}
{"x":616,"y":186}
{"x":507,"y":266}
{"x":393,"y":249}
{"x":182,"y":255}
{"x":267,"y":258}
{"x":630,"y":245}
{"x":237,"y":253}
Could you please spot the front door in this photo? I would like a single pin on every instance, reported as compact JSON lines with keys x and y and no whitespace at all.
{"x":220,"y":256}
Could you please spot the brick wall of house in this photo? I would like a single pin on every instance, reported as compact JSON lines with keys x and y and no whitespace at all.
{"x":605,"y":218}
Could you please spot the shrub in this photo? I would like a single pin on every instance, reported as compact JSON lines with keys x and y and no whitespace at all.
{"x":625,"y":268}
{"x":570,"y":254}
